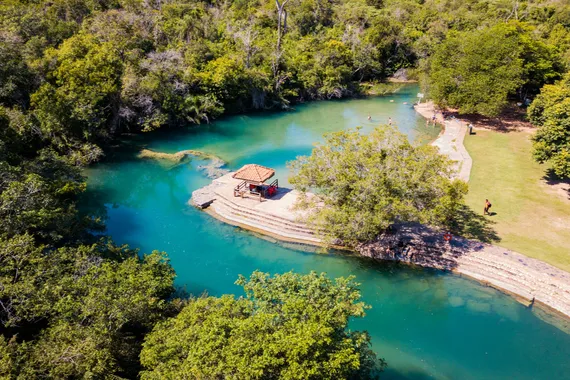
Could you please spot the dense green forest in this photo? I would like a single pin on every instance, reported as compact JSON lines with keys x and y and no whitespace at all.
{"x":74,"y":74}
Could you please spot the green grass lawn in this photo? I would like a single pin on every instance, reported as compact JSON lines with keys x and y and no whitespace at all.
{"x":532,"y":217}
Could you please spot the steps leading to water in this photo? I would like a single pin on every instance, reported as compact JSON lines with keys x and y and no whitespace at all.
{"x":263,"y":221}
{"x":261,"y":214}
{"x":524,"y":277}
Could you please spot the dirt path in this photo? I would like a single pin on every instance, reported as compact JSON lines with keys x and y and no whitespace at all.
{"x":450,"y":141}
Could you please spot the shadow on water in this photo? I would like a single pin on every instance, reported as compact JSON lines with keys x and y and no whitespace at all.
{"x":93,"y":202}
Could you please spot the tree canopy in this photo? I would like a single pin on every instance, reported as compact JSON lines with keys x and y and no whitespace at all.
{"x":355,"y":186}
{"x":477,"y":71}
{"x":82,"y":72}
{"x":72,"y":305}
{"x":75,"y":75}
{"x":550,"y":111}
{"x":288,"y":326}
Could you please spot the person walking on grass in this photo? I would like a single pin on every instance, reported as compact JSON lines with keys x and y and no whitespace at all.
{"x":487,"y":207}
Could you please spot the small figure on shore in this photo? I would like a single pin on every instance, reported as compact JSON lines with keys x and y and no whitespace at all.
{"x":433,"y":119}
{"x":389,"y":121}
{"x":487,"y":207}
{"x":470,"y":128}
{"x":369,"y":117}
{"x":427,"y":123}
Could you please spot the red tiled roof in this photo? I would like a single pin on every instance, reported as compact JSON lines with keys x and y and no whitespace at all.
{"x":254,"y":173}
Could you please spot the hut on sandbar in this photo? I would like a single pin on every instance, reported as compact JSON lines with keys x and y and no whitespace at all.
{"x":253,"y":178}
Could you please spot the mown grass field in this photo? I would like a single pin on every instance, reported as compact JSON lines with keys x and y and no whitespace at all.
{"x":532,"y":216}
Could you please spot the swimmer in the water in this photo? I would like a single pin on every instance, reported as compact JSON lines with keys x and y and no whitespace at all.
{"x":389,"y":121}
{"x":369,"y":117}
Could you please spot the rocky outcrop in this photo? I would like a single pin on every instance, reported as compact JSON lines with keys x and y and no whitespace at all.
{"x":204,"y":196}
{"x":529,"y":280}
{"x":215,"y":167}
{"x":172,"y":157}
{"x":414,"y":245}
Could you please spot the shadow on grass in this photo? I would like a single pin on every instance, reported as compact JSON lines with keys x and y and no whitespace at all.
{"x":513,"y":118}
{"x":563,"y":184}
{"x":472,"y":225}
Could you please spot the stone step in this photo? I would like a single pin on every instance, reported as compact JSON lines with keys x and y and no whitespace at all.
{"x":270,"y":230}
{"x":263,"y":219}
{"x":492,"y":265}
{"x":512,"y":265}
{"x":493,"y":262}
{"x":514,"y":285}
{"x":540,"y":283}
{"x":505,"y":274}
{"x":266,"y":222}
{"x":228,"y":214}
{"x":483,"y":271}
{"x":498,"y":282}
{"x":480,"y":264}
{"x":261,"y":215}
{"x":258,"y":212}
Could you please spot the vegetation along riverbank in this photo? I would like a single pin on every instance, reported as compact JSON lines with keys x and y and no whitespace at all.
{"x":316,"y":220}
{"x":76,"y":75}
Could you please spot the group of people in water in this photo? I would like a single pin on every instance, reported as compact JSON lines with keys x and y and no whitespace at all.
{"x":389,"y":119}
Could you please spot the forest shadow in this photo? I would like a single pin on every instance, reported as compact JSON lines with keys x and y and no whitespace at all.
{"x":557,"y":184}
{"x":472,"y":225}
{"x":512,"y":119}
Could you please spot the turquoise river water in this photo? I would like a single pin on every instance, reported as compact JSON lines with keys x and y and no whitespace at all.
{"x":425,"y":323}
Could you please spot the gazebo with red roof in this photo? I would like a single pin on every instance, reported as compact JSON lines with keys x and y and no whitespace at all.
{"x":253,"y":181}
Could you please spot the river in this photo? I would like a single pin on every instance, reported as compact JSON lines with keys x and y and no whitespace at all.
{"x":425,"y":323}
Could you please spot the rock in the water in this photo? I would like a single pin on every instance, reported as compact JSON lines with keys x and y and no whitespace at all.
{"x":204,"y":196}
{"x":214,"y":169}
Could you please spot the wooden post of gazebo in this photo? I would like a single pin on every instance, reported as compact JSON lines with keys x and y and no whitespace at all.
{"x":254,"y":177}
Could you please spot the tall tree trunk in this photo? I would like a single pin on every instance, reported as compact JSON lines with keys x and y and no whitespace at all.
{"x":281,"y":27}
